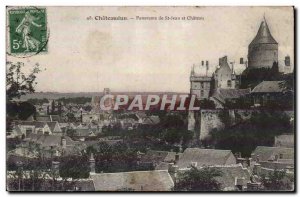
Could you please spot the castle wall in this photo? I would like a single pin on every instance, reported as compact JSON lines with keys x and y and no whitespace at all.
{"x":209,"y":120}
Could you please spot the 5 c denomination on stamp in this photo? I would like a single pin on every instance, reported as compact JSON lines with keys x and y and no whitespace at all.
{"x":28,"y":34}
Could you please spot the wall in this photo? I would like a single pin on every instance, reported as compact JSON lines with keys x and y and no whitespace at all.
{"x":209,"y":120}
{"x":263,"y":55}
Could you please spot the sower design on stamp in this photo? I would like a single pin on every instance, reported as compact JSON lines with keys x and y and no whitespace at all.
{"x":28,"y":30}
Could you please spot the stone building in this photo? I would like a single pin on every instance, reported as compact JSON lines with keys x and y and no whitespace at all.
{"x":263,"y":50}
{"x":224,"y":76}
{"x":201,"y":82}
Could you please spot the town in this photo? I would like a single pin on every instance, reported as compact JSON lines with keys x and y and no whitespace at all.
{"x":240,"y":137}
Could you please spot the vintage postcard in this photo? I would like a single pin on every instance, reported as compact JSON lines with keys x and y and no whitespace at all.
{"x":149,"y":99}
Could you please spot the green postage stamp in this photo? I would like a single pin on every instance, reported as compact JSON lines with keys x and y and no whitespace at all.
{"x":28,"y":32}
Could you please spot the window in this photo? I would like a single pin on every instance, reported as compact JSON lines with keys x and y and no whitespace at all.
{"x":229,"y":83}
{"x":28,"y":131}
{"x":202,"y":85}
{"x":201,"y":93}
{"x":280,"y":156}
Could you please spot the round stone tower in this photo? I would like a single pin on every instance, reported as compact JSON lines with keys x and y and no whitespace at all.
{"x":263,"y":50}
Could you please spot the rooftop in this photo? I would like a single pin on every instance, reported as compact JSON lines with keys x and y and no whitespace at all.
{"x":269,"y":86}
{"x":206,"y":157}
{"x":263,"y":35}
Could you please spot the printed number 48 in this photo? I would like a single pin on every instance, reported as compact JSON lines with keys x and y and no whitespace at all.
{"x":16,"y":44}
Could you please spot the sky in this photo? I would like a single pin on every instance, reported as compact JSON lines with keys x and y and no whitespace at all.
{"x":142,"y":55}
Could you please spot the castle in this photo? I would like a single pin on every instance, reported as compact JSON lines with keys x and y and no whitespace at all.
{"x":263,"y":50}
{"x":222,"y":83}
{"x":224,"y":77}
{"x":262,"y":53}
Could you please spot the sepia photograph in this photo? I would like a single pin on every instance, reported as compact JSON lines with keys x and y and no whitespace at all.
{"x":150,"y":99}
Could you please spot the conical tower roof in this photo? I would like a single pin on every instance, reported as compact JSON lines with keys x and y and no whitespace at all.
{"x":263,"y":35}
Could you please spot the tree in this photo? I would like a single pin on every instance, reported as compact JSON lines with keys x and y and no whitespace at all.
{"x":17,"y":82}
{"x":203,"y":179}
{"x":207,"y":104}
{"x":74,"y":167}
{"x":245,"y":136}
{"x":20,"y":110}
{"x":277,"y":181}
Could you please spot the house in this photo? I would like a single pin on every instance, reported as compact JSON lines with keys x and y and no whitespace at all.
{"x":151,"y":120}
{"x":285,"y":140}
{"x":55,"y":128}
{"x":232,"y":177}
{"x":274,"y":157}
{"x":224,"y":76}
{"x":205,"y":157}
{"x":157,"y":180}
{"x":159,"y":159}
{"x":35,"y":127}
{"x":17,"y":132}
{"x":270,"y":92}
{"x":220,"y":96}
{"x":35,"y":145}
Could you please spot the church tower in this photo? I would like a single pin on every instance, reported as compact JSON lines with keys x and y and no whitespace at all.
{"x":263,"y":50}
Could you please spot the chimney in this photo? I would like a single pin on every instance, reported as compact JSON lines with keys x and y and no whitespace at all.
{"x":92,"y":164}
{"x":239,"y":183}
{"x":202,"y":63}
{"x":176,"y":158}
{"x":55,"y":169}
{"x":257,"y":169}
{"x":207,"y":64}
{"x":241,"y":60}
{"x":63,"y":142}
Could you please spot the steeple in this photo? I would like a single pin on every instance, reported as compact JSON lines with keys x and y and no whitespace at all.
{"x":263,"y":35}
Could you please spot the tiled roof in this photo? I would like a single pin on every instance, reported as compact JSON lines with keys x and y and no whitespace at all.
{"x":268,"y":153}
{"x":223,"y":94}
{"x":55,"y":118}
{"x":157,"y":180}
{"x":263,"y":35}
{"x":52,"y":125}
{"x":203,"y":157}
{"x":37,"y":124}
{"x":49,"y":140}
{"x":159,"y":156}
{"x":230,"y":174}
{"x":268,"y":86}
{"x":43,"y":118}
{"x":83,"y":132}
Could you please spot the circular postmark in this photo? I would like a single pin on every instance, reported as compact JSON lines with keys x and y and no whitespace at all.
{"x":28,"y":32}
